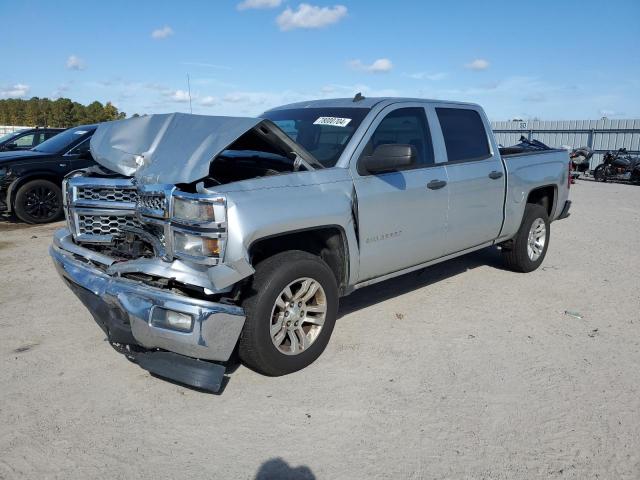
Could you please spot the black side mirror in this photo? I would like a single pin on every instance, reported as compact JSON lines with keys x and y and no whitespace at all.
{"x":389,"y":157}
{"x":11,"y":146}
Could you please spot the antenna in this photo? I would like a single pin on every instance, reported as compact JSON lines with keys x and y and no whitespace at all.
{"x":189,"y":89}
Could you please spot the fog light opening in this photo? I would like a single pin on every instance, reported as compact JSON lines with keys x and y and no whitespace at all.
{"x":171,"y":320}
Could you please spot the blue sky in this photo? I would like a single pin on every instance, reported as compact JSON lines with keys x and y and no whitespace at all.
{"x":547,"y":59}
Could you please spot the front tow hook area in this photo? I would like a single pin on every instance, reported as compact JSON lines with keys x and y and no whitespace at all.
{"x":200,"y":374}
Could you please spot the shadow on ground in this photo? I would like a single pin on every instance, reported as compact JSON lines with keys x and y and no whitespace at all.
{"x":277,"y":468}
{"x":394,"y":287}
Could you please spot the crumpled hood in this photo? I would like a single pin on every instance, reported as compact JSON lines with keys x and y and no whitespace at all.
{"x":166,"y":148}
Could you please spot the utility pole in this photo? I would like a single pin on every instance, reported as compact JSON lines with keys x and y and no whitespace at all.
{"x":189,"y":89}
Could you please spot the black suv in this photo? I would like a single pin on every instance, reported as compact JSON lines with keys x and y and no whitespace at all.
{"x":31,"y":180}
{"x":27,"y":139}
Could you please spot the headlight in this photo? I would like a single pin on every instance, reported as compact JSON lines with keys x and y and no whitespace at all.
{"x":198,"y":211}
{"x":196,"y":245}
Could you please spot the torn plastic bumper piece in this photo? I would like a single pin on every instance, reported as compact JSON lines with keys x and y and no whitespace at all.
{"x":189,"y":371}
{"x":565,"y":210}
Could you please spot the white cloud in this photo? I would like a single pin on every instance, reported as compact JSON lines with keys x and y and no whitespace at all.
{"x":427,"y":76}
{"x":310,"y":16}
{"x":180,"y":96}
{"x":161,"y":33}
{"x":256,"y":4}
{"x":381,"y":65}
{"x":75,"y":63}
{"x":478,"y":64}
{"x":208,"y":101}
{"x":15,"y":91}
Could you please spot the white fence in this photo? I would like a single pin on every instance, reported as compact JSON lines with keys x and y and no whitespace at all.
{"x":599,"y":135}
{"x":10,"y":128}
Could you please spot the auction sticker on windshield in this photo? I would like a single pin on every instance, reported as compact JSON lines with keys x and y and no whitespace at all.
{"x":333,"y":121}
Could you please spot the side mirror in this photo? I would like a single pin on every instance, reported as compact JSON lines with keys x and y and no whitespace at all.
{"x":388,"y":157}
{"x":11,"y":146}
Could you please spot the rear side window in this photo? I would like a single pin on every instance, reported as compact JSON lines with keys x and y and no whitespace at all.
{"x":464,"y":134}
{"x":25,"y":141}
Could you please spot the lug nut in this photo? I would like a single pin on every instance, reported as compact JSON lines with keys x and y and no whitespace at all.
{"x":286,"y":314}
{"x":299,"y":304}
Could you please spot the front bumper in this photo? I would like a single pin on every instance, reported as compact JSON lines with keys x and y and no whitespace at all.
{"x":123,"y":309}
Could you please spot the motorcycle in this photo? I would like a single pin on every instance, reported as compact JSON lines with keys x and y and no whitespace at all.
{"x":580,"y":158}
{"x":618,"y":166}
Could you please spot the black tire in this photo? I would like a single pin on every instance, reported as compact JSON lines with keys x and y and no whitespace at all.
{"x":38,"y":201}
{"x":515,"y":252}
{"x":599,"y":174}
{"x":256,"y":348}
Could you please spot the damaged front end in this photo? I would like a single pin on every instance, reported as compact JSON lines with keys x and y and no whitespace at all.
{"x":144,"y":273}
{"x":148,"y":259}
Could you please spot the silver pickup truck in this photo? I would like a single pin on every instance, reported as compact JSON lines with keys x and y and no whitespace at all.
{"x":202,"y":235}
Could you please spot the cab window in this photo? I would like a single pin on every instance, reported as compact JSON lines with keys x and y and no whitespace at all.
{"x":404,"y":126}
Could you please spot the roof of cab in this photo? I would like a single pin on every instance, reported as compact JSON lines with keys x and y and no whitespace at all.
{"x":365,"y":102}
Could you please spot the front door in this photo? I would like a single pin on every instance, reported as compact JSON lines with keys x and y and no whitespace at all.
{"x":401,"y":214}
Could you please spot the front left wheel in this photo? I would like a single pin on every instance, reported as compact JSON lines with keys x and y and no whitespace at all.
{"x":38,"y":201}
{"x":291,"y":308}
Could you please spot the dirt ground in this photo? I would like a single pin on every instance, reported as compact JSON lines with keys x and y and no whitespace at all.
{"x":463,"y":370}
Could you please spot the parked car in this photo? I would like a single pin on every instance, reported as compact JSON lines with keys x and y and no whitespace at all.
{"x":31,"y":180}
{"x":27,"y":139}
{"x":220,"y":232}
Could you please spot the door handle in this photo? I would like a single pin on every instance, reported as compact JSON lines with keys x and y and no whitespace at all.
{"x":495,"y":175}
{"x":436,"y":184}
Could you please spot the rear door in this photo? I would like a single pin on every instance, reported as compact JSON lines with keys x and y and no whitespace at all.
{"x":401,"y":221}
{"x":476,"y":178}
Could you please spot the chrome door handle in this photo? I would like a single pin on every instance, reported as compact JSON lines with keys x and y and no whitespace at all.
{"x":436,"y":184}
{"x":495,"y":175}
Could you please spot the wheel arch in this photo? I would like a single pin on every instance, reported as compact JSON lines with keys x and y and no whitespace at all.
{"x":546,"y":196}
{"x":21,"y":180}
{"x":329,"y":242}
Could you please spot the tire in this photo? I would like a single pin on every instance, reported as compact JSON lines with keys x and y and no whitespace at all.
{"x":599,"y":174}
{"x":38,"y":201}
{"x":518,"y":255}
{"x":257,"y":349}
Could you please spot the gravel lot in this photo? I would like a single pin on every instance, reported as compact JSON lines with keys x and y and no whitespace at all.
{"x":463,"y":370}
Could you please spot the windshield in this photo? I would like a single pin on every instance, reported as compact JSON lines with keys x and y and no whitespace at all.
{"x":323,"y":132}
{"x":64,"y":140}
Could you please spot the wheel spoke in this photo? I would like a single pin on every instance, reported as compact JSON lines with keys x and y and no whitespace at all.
{"x":303,"y":337}
{"x":313,"y":288}
{"x":287,"y":293}
{"x":277,"y":340}
{"x":276,"y":327}
{"x":319,"y":320}
{"x":294,"y":341}
{"x":303,"y":289}
{"x":316,"y":308}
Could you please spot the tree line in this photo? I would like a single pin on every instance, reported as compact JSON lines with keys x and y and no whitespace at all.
{"x":61,"y":112}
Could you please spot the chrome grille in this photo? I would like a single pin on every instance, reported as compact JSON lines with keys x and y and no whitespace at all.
{"x":105,"y":224}
{"x":152,"y":201}
{"x":107,"y":194}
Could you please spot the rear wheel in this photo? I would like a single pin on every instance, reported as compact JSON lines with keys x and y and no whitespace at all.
{"x":291,"y":308}
{"x":527,"y":249}
{"x":599,"y":174}
{"x":38,"y":201}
